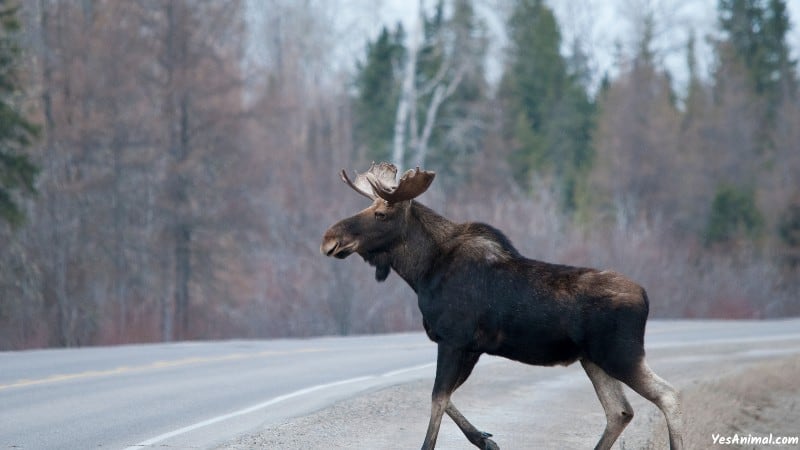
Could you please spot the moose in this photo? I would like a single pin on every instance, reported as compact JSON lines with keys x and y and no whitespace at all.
{"x":478,"y":294}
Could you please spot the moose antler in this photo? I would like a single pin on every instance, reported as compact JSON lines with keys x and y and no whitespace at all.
{"x":379,"y":181}
{"x":383,"y":173}
{"x":412,"y":184}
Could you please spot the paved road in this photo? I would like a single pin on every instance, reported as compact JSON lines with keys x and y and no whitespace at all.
{"x":202,"y":394}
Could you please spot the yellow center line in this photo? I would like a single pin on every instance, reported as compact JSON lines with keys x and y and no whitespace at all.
{"x":189,"y":361}
{"x":152,"y":366}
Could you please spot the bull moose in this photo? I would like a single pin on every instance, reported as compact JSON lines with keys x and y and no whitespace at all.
{"x":478,"y":294}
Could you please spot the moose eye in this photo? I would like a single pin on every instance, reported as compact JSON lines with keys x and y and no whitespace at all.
{"x":380,"y":215}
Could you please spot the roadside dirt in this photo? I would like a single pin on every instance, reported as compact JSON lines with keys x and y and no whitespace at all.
{"x":528,"y":407}
{"x":754,"y":401}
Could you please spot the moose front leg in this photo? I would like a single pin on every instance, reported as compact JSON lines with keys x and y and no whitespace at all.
{"x":478,"y":438}
{"x":453,"y":367}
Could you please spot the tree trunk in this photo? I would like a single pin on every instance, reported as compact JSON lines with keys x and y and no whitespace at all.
{"x":182,"y":234}
{"x":440,"y":94}
{"x":408,"y":100}
{"x":183,"y":271}
{"x":178,"y":109}
{"x":119,"y":235}
{"x":58,"y":264}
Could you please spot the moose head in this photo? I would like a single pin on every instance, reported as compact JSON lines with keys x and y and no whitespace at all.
{"x":374,"y":231}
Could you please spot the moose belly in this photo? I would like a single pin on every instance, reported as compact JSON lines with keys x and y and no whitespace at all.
{"x":544,"y":347}
{"x":540,"y":352}
{"x":526,"y":338}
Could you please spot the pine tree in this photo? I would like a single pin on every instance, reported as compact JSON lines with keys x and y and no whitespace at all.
{"x":695,"y":95}
{"x":756,"y":36}
{"x":549,"y":115}
{"x":780,"y":66}
{"x":532,"y":81}
{"x":733,"y":213}
{"x":17,"y":172}
{"x":754,"y":80}
{"x":377,"y":85}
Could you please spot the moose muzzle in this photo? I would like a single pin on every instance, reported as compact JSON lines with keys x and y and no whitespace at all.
{"x":334,"y":245}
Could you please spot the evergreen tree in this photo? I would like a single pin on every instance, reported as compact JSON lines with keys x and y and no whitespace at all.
{"x":377,"y":85}
{"x":432,"y":51}
{"x":531,"y":83}
{"x":17,"y":172}
{"x":733,"y":214}
{"x":789,"y":232}
{"x":756,"y":35}
{"x":780,"y":66}
{"x":695,"y":95}
{"x":549,"y":115}
{"x":754,"y":80}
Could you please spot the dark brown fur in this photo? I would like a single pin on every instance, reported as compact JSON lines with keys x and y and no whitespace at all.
{"x":477,"y":295}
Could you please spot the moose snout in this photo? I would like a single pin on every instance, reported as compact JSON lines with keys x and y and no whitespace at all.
{"x":329,"y":243}
{"x":328,"y":246}
{"x":334,"y":245}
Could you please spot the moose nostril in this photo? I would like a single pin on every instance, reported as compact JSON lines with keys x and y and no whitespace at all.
{"x":329,"y":247}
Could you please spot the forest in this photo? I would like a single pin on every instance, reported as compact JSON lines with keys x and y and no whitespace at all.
{"x":159,"y":184}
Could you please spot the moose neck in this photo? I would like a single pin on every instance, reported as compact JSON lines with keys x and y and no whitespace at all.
{"x":427,"y":234}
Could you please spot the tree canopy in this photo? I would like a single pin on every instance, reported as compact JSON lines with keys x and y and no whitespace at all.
{"x":183,"y":181}
{"x":549,"y":114}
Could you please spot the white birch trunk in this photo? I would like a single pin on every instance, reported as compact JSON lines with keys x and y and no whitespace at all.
{"x":440,"y":94}
{"x":407,"y":94}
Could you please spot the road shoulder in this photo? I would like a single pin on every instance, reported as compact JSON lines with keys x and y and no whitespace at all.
{"x":751,"y":401}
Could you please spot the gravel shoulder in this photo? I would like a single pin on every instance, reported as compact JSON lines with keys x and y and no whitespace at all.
{"x":555,"y":408}
{"x":756,"y":401}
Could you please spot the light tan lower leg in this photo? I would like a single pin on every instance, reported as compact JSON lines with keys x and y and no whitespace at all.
{"x":618,"y":411}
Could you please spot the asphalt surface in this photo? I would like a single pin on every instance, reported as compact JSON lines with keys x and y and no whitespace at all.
{"x":201,"y":395}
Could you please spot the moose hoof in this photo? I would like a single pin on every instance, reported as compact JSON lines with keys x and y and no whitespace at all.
{"x":489,"y":444}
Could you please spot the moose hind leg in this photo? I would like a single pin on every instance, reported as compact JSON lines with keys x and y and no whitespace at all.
{"x":654,"y":388}
{"x":618,"y":411}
